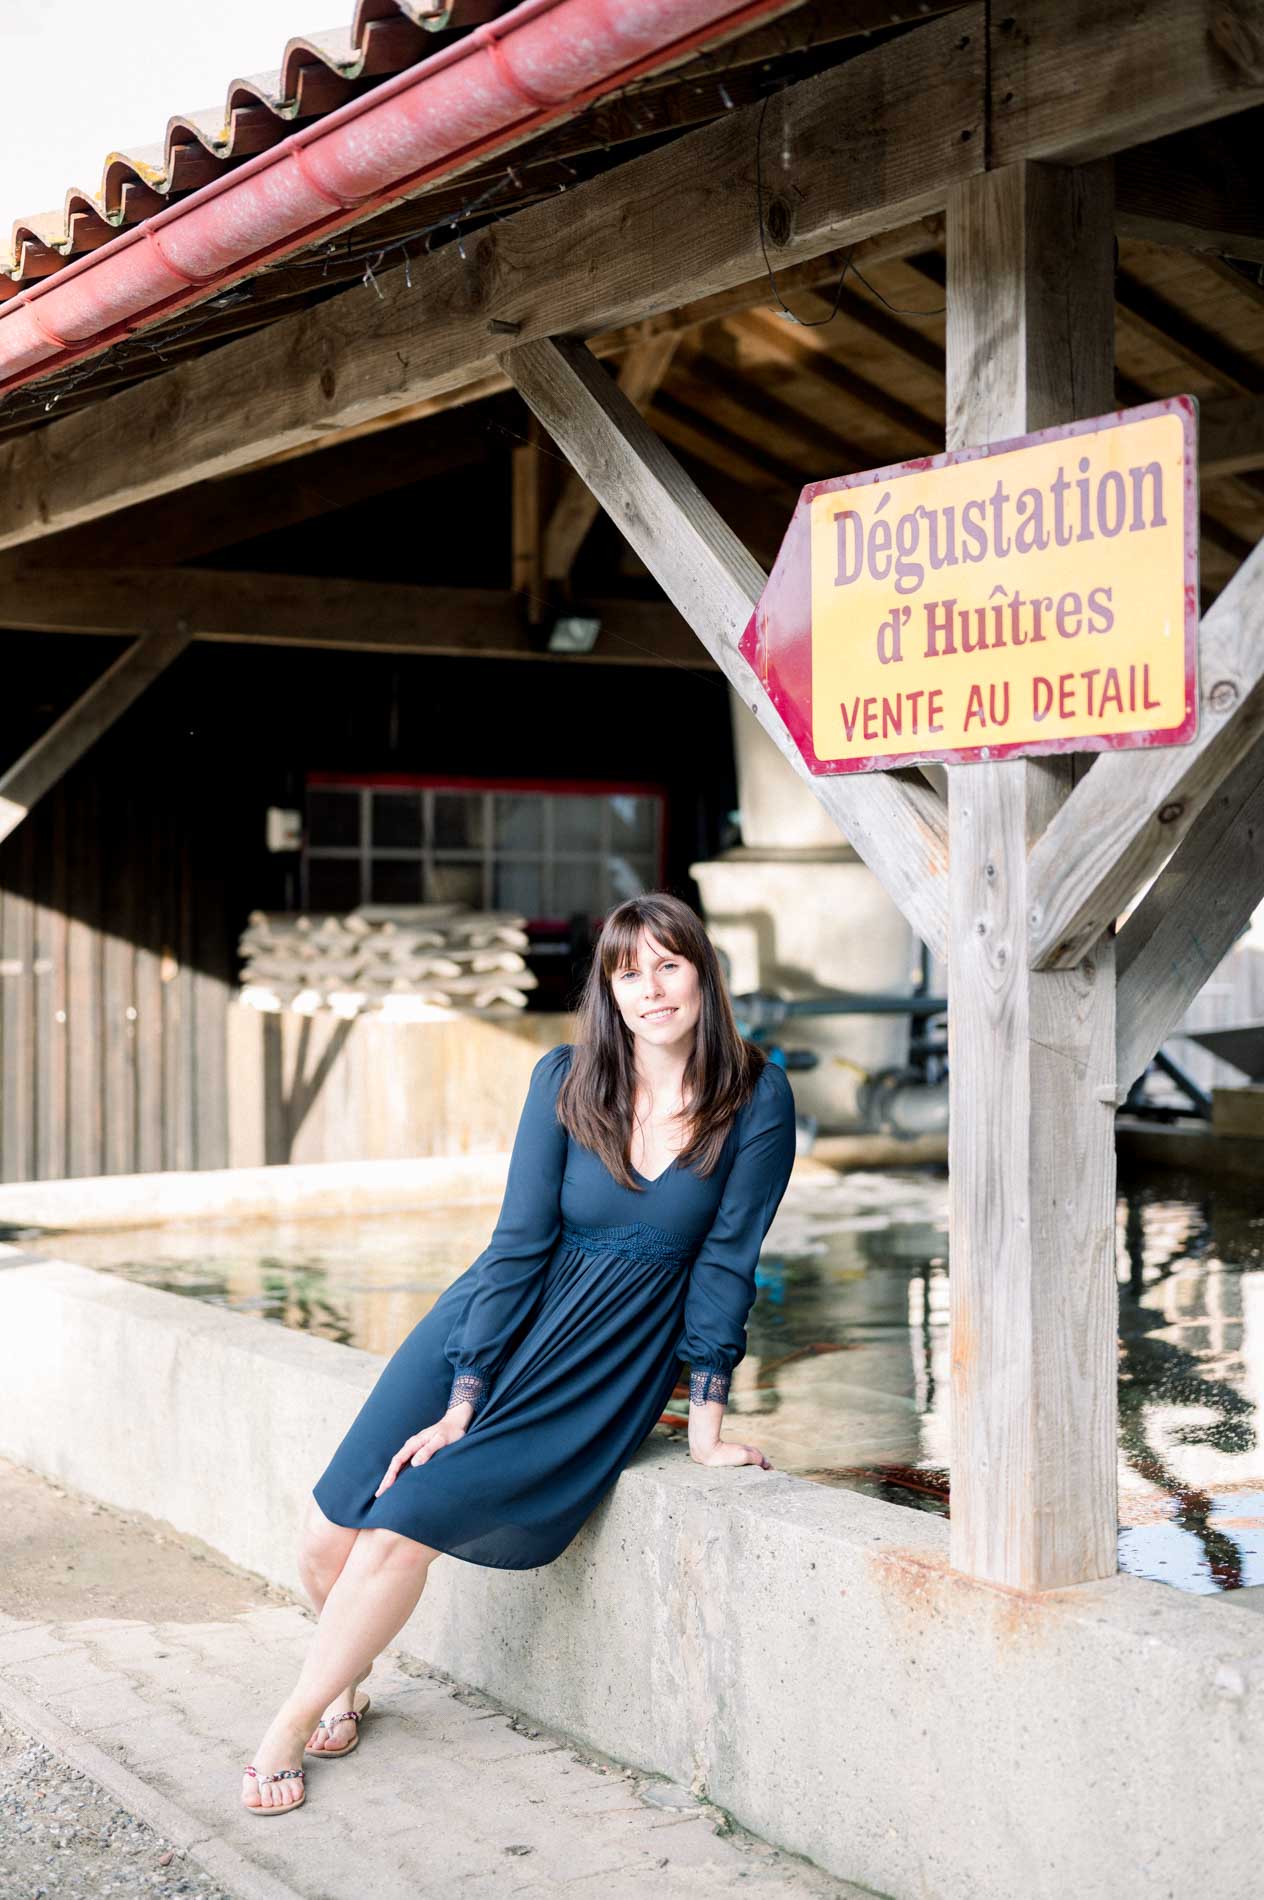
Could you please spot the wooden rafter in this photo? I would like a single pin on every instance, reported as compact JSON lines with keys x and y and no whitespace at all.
{"x":894,"y":820}
{"x":906,"y":423}
{"x":689,"y":428}
{"x":358,"y":616}
{"x":1193,"y":343}
{"x":671,"y":226}
{"x":783,"y":437}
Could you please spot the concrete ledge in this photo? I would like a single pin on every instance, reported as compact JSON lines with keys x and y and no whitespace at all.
{"x":801,"y":1655}
{"x":308,"y":1189}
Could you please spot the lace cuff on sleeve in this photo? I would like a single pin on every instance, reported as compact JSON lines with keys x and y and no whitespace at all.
{"x":707,"y":1382}
{"x":468,"y":1386}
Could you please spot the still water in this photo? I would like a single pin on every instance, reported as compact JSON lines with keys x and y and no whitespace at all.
{"x":846,"y":1376}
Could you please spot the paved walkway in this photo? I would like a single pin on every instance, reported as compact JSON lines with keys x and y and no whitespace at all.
{"x":450,"y":1794}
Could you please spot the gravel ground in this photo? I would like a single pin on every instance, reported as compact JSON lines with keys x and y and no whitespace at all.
{"x":63,"y":1835}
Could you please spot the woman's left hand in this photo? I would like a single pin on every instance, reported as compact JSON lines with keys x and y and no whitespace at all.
{"x":724,"y":1452}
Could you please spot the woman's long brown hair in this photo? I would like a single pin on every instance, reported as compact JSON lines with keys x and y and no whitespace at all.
{"x":594,"y":1102}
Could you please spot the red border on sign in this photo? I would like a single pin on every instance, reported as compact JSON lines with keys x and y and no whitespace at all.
{"x":777,"y":642}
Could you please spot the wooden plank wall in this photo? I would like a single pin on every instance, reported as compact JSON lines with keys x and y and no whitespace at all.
{"x":115,"y":971}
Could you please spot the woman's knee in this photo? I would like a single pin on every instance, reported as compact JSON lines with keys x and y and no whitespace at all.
{"x":323,"y":1545}
{"x":393,"y":1550}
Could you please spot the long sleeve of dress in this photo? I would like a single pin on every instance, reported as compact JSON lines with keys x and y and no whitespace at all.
{"x":722,"y":1280}
{"x":507,"y":1273}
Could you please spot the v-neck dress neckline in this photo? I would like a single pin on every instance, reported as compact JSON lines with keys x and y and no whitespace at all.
{"x":653,"y":1180}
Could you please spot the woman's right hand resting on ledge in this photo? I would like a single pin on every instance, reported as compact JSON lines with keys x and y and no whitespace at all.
{"x":706,"y":1447}
{"x":418,"y":1449}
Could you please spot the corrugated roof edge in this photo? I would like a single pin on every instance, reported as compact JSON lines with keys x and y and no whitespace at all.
{"x":317,"y":73}
{"x":502,"y":83}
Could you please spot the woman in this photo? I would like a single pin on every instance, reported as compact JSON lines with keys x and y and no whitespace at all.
{"x":649,"y":1161}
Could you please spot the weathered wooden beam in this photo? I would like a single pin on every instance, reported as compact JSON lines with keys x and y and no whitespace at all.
{"x":1030,"y":1134}
{"x":1134,"y":808}
{"x":894,"y":820}
{"x":82,"y":724}
{"x":1085,"y":78}
{"x":1190,"y":918}
{"x":187,"y":523}
{"x":674,"y":225}
{"x":359,"y":616}
{"x":641,"y":375}
{"x":902,"y":241}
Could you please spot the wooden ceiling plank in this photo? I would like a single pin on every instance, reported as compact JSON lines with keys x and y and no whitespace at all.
{"x":908,"y":423}
{"x":1196,"y":346}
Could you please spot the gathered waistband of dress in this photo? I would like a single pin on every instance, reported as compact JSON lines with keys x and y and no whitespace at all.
{"x":636,"y":1240}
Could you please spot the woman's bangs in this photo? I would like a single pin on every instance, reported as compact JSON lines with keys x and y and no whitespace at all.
{"x":620,"y":936}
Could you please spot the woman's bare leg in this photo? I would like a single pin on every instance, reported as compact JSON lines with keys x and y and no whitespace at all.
{"x":373,"y":1596}
{"x":323,"y":1549}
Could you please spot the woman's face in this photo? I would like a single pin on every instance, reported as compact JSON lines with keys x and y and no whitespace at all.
{"x":658,"y":995}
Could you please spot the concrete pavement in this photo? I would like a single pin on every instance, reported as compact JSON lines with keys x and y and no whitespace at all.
{"x":151,"y":1665}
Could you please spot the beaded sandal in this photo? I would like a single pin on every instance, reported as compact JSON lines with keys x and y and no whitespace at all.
{"x":348,"y":1715}
{"x":282,"y":1774}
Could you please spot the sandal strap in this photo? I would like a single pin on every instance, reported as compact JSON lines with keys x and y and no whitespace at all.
{"x":348,"y":1715}
{"x":282,"y":1774}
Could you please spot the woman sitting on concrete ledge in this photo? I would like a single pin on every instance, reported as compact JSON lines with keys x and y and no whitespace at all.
{"x":650,"y":1159}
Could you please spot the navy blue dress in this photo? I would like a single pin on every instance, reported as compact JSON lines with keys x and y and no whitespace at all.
{"x":568,"y":1333}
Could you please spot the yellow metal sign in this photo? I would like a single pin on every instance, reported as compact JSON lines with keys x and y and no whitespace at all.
{"x":1034,"y":596}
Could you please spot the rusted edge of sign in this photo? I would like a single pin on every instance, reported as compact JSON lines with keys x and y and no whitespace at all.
{"x":777,"y":641}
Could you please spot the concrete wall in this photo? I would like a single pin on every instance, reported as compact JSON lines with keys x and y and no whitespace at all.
{"x":317,"y":1088}
{"x":802,"y":1653}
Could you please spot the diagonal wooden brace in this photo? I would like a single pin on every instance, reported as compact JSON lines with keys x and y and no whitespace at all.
{"x":82,"y":724}
{"x":1190,"y":918}
{"x":1133,"y":809}
{"x":895,"y":821}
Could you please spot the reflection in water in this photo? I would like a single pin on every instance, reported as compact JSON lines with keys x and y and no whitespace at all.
{"x":846,"y":1377}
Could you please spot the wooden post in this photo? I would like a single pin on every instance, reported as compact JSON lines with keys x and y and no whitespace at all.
{"x":527,"y":518}
{"x":1032,"y":1054}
